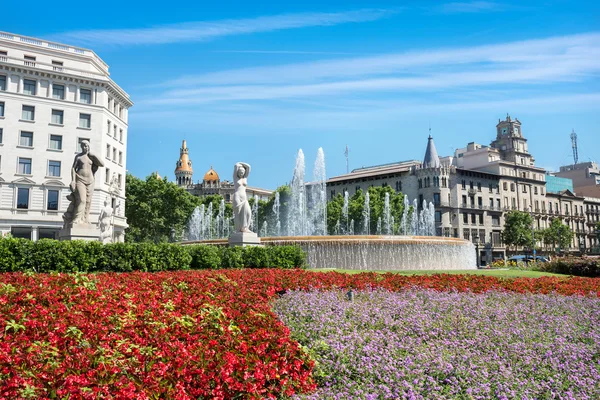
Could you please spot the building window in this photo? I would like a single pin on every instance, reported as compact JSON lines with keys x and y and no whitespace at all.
{"x":85,"y":121}
{"x":28,"y":113}
{"x":473,"y":219}
{"x":466,"y":218}
{"x":438,"y":216}
{"x":2,"y":82}
{"x":114,"y":156}
{"x":58,"y":117}
{"x":120,"y":179}
{"x":24,"y":166}
{"x":29,"y":61}
{"x":29,"y":86}
{"x":512,"y":187}
{"x":26,"y":139}
{"x":1,"y":132}
{"x":120,"y":135}
{"x":53,"y":168}
{"x":524,"y":188}
{"x":480,"y":219}
{"x":479,"y":186}
{"x":464,"y":184}
{"x":108,"y":151}
{"x":85,"y":96}
{"x":535,"y":190}
{"x":108,"y":127}
{"x":541,"y":190}
{"x":470,"y":184}
{"x":52,"y":203}
{"x":23,"y":198}
{"x":120,"y":158}
{"x":57,"y":65}
{"x":107,"y":177}
{"x":115,"y":131}
{"x":58,"y":92}
{"x":436,"y":199}
{"x":121,"y":112}
{"x":55,"y":142}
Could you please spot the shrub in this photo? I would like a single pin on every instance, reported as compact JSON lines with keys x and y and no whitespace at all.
{"x":80,"y":256}
{"x":577,"y":266}
{"x":204,"y":256}
{"x":287,"y":257}
{"x":232,"y":257}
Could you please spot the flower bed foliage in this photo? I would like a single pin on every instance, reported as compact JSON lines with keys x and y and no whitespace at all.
{"x":78,"y":256}
{"x":182,"y":334}
{"x":422,"y":344}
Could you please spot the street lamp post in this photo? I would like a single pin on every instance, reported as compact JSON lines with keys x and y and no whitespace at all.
{"x":532,"y":234}
{"x":477,"y":255}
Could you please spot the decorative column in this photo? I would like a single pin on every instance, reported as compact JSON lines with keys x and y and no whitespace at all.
{"x":49,"y":93}
{"x":35,"y":233}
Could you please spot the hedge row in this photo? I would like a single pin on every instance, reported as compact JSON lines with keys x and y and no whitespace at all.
{"x":47,"y":255}
{"x":577,"y":266}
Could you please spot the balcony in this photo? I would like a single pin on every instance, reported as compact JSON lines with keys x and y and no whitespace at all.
{"x":50,"y":67}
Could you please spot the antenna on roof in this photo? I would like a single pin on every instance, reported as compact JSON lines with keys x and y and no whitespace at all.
{"x":347,"y":153}
{"x":574,"y":145}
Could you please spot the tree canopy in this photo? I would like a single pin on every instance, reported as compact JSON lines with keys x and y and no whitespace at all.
{"x":517,"y":229}
{"x":156,"y":209}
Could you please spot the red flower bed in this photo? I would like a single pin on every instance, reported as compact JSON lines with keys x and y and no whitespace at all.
{"x":185,"y":334}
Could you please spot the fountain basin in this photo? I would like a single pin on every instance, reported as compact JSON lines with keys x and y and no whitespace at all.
{"x":371,"y":252}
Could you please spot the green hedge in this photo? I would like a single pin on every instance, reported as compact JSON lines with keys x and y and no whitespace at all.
{"x":47,"y":255}
{"x":578,"y":266}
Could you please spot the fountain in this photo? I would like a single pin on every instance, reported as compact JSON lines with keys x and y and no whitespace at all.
{"x":305,"y":225}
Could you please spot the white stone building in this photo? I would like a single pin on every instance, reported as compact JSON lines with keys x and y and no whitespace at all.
{"x":52,"y":96}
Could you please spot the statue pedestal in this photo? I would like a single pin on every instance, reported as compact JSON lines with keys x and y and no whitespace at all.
{"x":244,"y":239}
{"x":80,"y":232}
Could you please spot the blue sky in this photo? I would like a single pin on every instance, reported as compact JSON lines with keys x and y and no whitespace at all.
{"x":254,"y":82}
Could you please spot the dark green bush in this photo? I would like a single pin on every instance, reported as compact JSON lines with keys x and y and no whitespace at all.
{"x":204,"y":257}
{"x":232,"y":257}
{"x":578,"y":266}
{"x":80,"y":256}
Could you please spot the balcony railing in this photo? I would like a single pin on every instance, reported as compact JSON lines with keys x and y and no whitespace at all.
{"x":50,"y":67}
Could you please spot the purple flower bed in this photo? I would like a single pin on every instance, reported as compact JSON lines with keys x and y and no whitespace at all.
{"x":422,"y":344}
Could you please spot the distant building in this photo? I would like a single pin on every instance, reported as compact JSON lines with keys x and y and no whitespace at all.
{"x":474,"y":189}
{"x":556,"y":184}
{"x":585,"y":177}
{"x":53,"y":96}
{"x":211,"y":183}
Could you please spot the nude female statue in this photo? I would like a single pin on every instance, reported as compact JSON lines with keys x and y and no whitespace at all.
{"x":84,"y":167}
{"x":242,"y":214}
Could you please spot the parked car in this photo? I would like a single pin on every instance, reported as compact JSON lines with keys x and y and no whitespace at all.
{"x":527,"y":258}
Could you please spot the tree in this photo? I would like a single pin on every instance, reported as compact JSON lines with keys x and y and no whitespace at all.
{"x":155,"y":207}
{"x":517,"y":229}
{"x":558,"y":235}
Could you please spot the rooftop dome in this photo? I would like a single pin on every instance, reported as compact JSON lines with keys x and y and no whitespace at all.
{"x":184,"y":163}
{"x":211,"y":175}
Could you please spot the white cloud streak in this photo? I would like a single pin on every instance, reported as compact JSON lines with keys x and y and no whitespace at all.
{"x":205,"y":31}
{"x":469,"y":7}
{"x":534,"y":62}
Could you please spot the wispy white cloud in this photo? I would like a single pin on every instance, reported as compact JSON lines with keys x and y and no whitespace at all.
{"x":205,"y":31}
{"x":469,"y":7}
{"x":534,"y":62}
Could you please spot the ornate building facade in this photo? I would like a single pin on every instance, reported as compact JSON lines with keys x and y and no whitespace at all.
{"x":52,"y":97}
{"x":474,"y":189}
{"x":211,"y":183}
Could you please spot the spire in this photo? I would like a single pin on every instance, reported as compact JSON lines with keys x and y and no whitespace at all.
{"x":183,"y":167}
{"x":431,"y":159}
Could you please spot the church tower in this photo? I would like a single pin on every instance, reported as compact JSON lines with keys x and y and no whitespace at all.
{"x":183,"y":169}
{"x":511,"y":143}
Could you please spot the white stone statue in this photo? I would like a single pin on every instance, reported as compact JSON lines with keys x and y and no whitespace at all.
{"x":105,"y":221}
{"x":84,"y":167}
{"x":242,"y":214}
